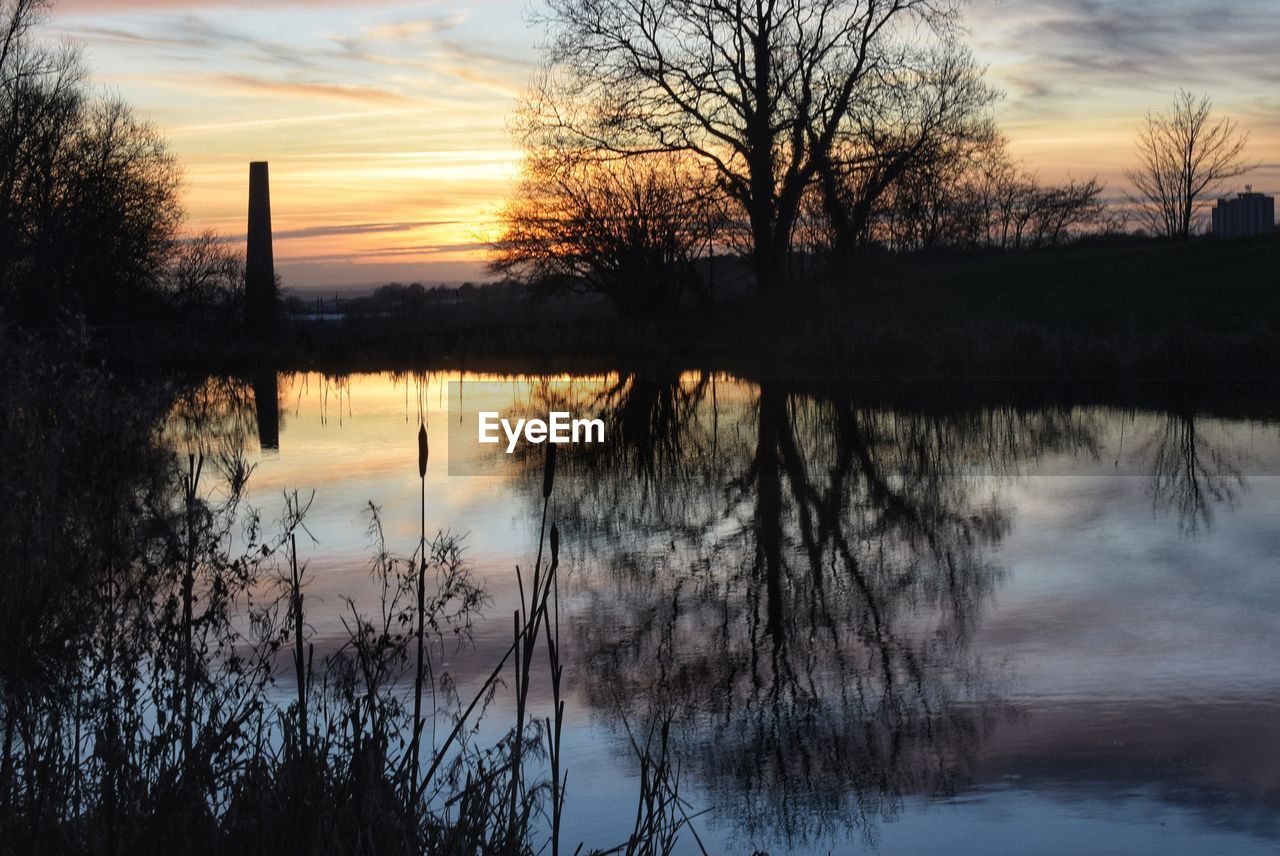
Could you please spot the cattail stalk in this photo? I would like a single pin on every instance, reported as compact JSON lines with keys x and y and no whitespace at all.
{"x":554,"y":728}
{"x":299,"y":660}
{"x":419,"y":674}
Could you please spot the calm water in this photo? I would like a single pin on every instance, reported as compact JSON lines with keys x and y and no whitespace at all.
{"x":894,"y":629}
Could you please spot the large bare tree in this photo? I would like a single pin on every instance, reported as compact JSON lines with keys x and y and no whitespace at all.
{"x":1184,"y":155}
{"x":757,"y":89}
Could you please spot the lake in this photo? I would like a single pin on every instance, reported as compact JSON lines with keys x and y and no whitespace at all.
{"x":873,"y":623}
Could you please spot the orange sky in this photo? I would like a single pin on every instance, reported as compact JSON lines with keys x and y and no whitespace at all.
{"x":385,"y":122}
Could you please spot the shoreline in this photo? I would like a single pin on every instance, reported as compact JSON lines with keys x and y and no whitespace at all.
{"x":1123,"y":312}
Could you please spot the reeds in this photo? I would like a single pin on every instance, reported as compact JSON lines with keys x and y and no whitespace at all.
{"x":159,"y":723}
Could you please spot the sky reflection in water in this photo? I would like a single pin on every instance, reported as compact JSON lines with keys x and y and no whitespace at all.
{"x":913,"y":630}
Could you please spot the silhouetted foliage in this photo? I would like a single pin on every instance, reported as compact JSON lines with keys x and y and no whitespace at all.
{"x":629,"y":229}
{"x":146,"y":611}
{"x":204,"y":282}
{"x":986,"y":200}
{"x":88,"y":192}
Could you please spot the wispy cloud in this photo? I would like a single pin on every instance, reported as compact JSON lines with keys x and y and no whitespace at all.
{"x":109,"y":6}
{"x":286,"y":121}
{"x":358,"y":229}
{"x":408,"y":251}
{"x":414,"y":30}
{"x":302,"y":89}
{"x":1060,"y":49}
{"x":185,"y":31}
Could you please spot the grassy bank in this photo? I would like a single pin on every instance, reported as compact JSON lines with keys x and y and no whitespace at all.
{"x":1219,"y":287}
{"x":1134,"y":311}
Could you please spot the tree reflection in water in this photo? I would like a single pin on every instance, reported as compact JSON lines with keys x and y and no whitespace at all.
{"x":1190,"y":473}
{"x":791,"y":580}
{"x":785,"y":582}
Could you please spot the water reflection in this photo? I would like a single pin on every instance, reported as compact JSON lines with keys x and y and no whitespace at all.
{"x":216,"y":412}
{"x":836,"y":608}
{"x":792,"y":580}
{"x":794,"y":587}
{"x":266,"y":404}
{"x":1190,"y":474}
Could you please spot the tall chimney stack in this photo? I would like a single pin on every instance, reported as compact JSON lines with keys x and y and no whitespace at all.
{"x":259,"y":269}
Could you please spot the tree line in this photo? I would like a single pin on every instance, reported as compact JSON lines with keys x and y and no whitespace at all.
{"x":795,"y":134}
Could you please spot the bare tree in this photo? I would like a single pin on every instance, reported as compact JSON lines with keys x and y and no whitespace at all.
{"x":924,"y":119}
{"x":630,"y":229}
{"x":16,"y":18}
{"x":976,"y":195}
{"x":1184,"y":155}
{"x":205,"y":280}
{"x":757,"y":89}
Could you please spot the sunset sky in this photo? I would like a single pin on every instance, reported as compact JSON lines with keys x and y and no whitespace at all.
{"x":385,"y":122}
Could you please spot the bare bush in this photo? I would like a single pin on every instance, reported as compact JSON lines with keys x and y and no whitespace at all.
{"x":629,"y":229}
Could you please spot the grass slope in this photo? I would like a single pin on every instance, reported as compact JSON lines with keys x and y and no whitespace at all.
{"x":1214,"y":286}
{"x":1153,"y":310}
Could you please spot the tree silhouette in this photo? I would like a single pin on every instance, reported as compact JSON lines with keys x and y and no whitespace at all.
{"x":1184,"y":155}
{"x":89,"y":200}
{"x":630,"y":230}
{"x":760,"y":92}
{"x":924,"y":120}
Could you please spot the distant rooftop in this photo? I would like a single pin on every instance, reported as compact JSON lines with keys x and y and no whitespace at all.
{"x":1247,"y":193}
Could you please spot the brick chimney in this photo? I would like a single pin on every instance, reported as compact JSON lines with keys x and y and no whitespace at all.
{"x":260,"y":271}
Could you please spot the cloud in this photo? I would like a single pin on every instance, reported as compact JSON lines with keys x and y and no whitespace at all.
{"x":284,"y":121}
{"x":340,"y":230}
{"x":107,"y":6}
{"x":358,"y":229}
{"x":349,"y":59}
{"x":414,"y":30}
{"x":302,"y":89}
{"x":189,"y":31}
{"x":349,"y":273}
{"x":394,"y":252}
{"x":1070,"y":48}
{"x":187,"y":38}
{"x":417,"y":45}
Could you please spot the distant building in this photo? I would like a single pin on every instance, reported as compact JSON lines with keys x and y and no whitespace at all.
{"x":1248,"y":214}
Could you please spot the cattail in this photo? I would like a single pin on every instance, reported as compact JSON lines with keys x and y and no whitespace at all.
{"x":555,"y":544}
{"x":549,"y":474}
{"x":422,"y":450}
